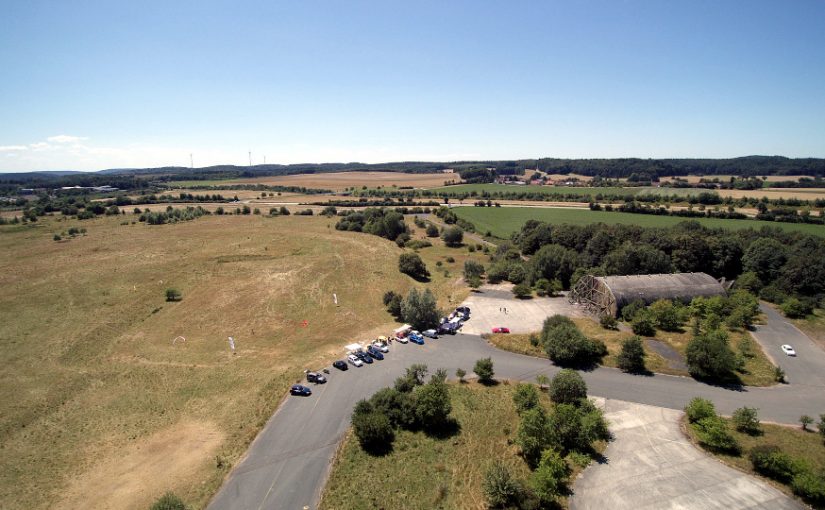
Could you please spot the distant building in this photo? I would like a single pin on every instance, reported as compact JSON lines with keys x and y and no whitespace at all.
{"x":607,"y":295}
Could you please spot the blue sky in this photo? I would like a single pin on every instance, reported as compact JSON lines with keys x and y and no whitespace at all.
{"x":93,"y":85}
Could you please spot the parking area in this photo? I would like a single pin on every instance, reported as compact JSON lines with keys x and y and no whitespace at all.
{"x":495,"y":306}
{"x":651,"y":465}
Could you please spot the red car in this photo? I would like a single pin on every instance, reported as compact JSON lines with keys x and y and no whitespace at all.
{"x":501,"y":330}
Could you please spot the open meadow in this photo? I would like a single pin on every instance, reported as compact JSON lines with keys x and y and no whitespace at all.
{"x":337,"y":181}
{"x":503,"y":221}
{"x":111,"y":396}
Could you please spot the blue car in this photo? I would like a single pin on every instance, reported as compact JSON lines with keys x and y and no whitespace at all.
{"x":375,"y":353}
{"x":416,"y":338}
{"x":300,"y":390}
{"x":364,"y":357}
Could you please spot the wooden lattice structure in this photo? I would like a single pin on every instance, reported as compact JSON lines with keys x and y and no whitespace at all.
{"x":606,"y":295}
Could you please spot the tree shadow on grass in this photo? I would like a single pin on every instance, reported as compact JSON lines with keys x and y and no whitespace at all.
{"x":450,"y":428}
{"x":489,"y":382}
{"x":379,"y":449}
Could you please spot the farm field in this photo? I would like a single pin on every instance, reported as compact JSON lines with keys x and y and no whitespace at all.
{"x":337,"y":181}
{"x":503,"y":221}
{"x":565,"y":190}
{"x":108,"y":393}
{"x":775,"y":193}
{"x":695,"y":179}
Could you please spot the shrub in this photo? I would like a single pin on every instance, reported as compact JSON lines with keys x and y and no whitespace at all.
{"x":452,"y":236}
{"x":473,"y":268}
{"x":450,"y":260}
{"x":484,"y":370}
{"x":632,"y":356}
{"x":169,"y":501}
{"x":699,"y":408}
{"x":568,"y":387}
{"x":533,"y":435}
{"x":749,"y":281}
{"x":797,"y":308}
{"x":412,"y":265}
{"x":809,"y":487}
{"x":629,"y":311}
{"x":550,"y":477}
{"x":433,"y":404}
{"x":473,"y":282}
{"x":607,"y":321}
{"x":709,"y":356}
{"x":417,"y":244}
{"x":522,"y":291}
{"x":821,"y":426}
{"x":746,"y":419}
{"x":516,"y":274}
{"x":460,"y":373}
{"x":773,"y":294}
{"x":770,"y":461}
{"x":572,"y":428}
{"x":173,"y":295}
{"x":525,"y":397}
{"x":805,"y":420}
{"x":566,"y":345}
{"x":57,"y":237}
{"x":432,"y":230}
{"x":500,"y":488}
{"x":372,"y":428}
{"x":643,"y":323}
{"x":665,"y":315}
{"x":714,"y":434}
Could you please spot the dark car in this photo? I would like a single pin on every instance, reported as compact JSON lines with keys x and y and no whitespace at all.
{"x":464,"y":311}
{"x":363,"y":356}
{"x":375,"y":353}
{"x":340,"y":365}
{"x":448,"y":328}
{"x":298,"y":389}
{"x":316,"y":378}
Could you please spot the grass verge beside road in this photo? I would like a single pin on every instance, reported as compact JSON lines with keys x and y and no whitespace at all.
{"x":759,"y":371}
{"x":428,"y":473}
{"x":806,"y":446}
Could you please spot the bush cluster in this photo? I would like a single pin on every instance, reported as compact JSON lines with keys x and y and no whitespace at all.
{"x":566,"y":345}
{"x":410,"y":404}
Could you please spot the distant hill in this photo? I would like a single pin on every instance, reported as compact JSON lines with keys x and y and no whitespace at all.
{"x":642,"y":169}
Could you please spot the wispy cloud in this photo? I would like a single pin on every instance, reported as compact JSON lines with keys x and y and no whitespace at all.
{"x":12,"y":148}
{"x":66,"y":139}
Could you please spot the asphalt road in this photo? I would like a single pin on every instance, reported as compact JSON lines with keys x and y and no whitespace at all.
{"x":289,"y":461}
{"x":808,"y":366}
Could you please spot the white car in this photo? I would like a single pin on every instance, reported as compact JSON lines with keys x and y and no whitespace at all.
{"x":401,"y":339}
{"x":787,"y":349}
{"x":381,"y":346}
{"x":354,"y":360}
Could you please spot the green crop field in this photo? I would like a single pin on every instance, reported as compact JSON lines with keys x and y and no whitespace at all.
{"x":585,"y":193}
{"x":503,"y":221}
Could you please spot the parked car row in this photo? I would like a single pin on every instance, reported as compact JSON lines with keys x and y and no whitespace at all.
{"x":357,"y":357}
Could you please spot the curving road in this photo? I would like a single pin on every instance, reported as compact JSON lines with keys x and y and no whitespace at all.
{"x":289,"y":461}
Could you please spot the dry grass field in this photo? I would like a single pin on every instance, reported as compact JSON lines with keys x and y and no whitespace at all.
{"x":338,"y":181}
{"x":100,"y":408}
